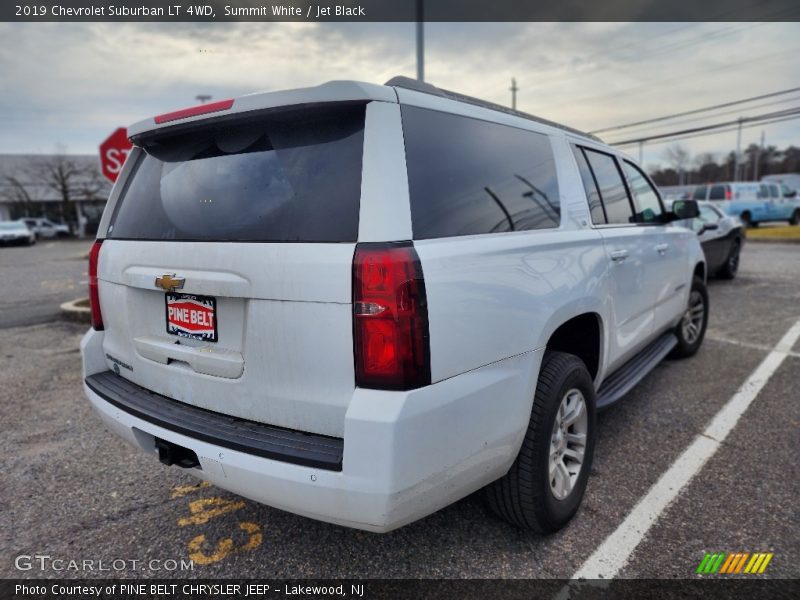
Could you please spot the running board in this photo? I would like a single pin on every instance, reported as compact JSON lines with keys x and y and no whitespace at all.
{"x":632,"y":372}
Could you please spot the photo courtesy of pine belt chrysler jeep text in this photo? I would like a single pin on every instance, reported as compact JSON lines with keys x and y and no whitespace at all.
{"x":361,"y":303}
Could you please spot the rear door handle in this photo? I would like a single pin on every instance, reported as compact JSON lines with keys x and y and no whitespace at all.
{"x":619,"y":255}
{"x":662,"y":248}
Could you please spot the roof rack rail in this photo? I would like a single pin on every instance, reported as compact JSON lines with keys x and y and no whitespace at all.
{"x":427,"y":88}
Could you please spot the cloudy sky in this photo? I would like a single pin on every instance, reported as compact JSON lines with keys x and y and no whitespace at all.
{"x":69,"y":85}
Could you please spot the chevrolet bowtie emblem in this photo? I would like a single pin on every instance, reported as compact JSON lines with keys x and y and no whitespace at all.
{"x":170,"y":282}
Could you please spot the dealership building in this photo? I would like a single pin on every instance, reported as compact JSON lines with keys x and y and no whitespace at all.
{"x":63,"y":188}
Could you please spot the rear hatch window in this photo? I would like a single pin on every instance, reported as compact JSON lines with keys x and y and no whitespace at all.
{"x":288,"y":176}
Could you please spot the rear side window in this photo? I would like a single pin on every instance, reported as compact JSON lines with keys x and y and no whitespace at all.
{"x":717,"y":192}
{"x":699,"y":193}
{"x":285,"y":177}
{"x":645,"y":197}
{"x":773,"y":191}
{"x":589,"y":184}
{"x":612,"y":187}
{"x":467,"y":176}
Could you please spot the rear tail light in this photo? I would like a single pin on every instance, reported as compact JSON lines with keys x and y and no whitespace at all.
{"x":728,"y":195}
{"x":94,"y":296}
{"x":390,"y":318}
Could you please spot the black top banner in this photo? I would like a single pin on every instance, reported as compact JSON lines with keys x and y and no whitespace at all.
{"x":399,"y":10}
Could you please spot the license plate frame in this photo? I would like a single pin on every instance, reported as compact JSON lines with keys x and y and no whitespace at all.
{"x":180,"y":324}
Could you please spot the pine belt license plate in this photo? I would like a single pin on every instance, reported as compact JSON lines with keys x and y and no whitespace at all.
{"x":192,"y":316}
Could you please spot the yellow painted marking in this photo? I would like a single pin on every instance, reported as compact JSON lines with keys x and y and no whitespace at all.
{"x":207,"y":508}
{"x":765,"y":563}
{"x":759,"y":559}
{"x":197,"y":555}
{"x":226,"y":546}
{"x":753,"y":560}
{"x":741,"y":562}
{"x":182,"y":490}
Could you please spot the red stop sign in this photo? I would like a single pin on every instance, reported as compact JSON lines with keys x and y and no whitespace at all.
{"x":113,"y":153}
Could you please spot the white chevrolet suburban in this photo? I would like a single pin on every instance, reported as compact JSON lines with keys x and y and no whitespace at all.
{"x":360,"y":303}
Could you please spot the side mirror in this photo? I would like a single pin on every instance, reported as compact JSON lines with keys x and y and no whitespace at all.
{"x":685,"y":209}
{"x":708,"y":227}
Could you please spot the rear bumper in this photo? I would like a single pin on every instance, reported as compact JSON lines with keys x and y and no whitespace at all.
{"x":406,"y":454}
{"x":267,"y":441}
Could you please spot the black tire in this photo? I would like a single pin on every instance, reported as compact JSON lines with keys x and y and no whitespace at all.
{"x":731,"y":265}
{"x":746,"y":219}
{"x":688,"y":345}
{"x":795,"y":220}
{"x":524,"y":496}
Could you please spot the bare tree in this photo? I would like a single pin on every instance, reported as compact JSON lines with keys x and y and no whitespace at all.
{"x":16,"y":191}
{"x":70,"y":178}
{"x":704,"y":158}
{"x":679,"y":158}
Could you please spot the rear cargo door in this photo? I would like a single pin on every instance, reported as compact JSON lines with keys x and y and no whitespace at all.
{"x":225,"y":278}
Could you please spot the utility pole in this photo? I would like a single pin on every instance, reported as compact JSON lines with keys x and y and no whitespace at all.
{"x":202,"y":98}
{"x":514,"y":89}
{"x":420,"y":41}
{"x":758,"y":158}
{"x":738,"y":151}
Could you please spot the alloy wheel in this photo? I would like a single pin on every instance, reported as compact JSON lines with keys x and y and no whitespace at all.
{"x":568,"y":443}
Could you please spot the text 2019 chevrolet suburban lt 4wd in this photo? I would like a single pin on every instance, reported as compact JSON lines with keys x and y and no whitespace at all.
{"x":360,"y":303}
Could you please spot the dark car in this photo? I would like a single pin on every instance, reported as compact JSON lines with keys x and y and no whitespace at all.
{"x":722,"y":238}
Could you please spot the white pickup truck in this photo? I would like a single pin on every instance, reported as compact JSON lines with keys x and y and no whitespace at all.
{"x":361,"y":302}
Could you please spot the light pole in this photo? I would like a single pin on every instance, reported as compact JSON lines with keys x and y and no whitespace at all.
{"x":514,"y":89}
{"x":738,"y":151}
{"x":420,"y":41}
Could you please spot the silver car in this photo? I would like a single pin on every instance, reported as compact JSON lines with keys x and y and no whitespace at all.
{"x":16,"y":232}
{"x":45,"y":228}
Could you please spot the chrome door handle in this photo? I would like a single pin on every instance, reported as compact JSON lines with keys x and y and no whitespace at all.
{"x":619,"y":255}
{"x":662,"y":249}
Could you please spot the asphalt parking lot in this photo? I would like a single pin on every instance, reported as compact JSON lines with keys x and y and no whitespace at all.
{"x":73,"y":491}
{"x":37,"y":279}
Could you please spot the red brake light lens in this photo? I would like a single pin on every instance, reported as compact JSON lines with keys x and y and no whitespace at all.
{"x":728,"y":195}
{"x":193,"y":111}
{"x":390,"y":318}
{"x":94,"y":296}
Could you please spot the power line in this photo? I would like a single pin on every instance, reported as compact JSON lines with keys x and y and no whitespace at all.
{"x":794,"y":112}
{"x":727,"y":130}
{"x":651,"y":51}
{"x":736,"y":111}
{"x":695,"y":111}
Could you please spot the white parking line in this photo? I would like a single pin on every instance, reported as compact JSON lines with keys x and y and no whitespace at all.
{"x":725,"y":340}
{"x":612,"y":555}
